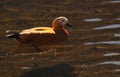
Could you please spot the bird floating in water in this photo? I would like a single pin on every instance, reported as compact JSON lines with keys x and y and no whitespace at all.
{"x":39,"y":36}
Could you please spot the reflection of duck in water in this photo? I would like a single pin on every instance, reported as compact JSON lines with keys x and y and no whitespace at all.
{"x":43,"y":35}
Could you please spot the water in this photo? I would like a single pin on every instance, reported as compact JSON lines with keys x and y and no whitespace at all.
{"x":118,"y":70}
{"x":103,"y":42}
{"x":107,"y":27}
{"x":78,"y":57}
{"x":26,"y":68}
{"x":93,"y":20}
{"x":111,"y":2}
{"x":115,"y":1}
{"x":110,"y":62}
{"x":117,"y":35}
{"x":111,"y":54}
{"x":117,"y":19}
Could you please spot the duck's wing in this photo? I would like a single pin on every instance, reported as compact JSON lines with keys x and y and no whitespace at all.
{"x":37,"y":30}
{"x":38,"y":35}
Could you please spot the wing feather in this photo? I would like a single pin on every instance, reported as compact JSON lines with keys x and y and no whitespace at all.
{"x":38,"y":30}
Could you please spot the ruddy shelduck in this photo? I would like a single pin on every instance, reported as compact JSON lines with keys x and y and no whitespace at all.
{"x":42,"y":35}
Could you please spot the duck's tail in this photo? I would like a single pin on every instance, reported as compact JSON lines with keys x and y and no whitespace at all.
{"x":13,"y":34}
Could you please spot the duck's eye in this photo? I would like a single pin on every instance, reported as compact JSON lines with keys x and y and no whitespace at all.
{"x":62,"y":20}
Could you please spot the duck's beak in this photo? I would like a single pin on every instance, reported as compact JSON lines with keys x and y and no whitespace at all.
{"x":69,"y":25}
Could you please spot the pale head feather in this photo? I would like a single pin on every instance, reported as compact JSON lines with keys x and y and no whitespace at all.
{"x":63,"y":20}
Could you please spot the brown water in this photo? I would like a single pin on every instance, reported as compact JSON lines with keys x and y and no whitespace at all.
{"x":93,"y":50}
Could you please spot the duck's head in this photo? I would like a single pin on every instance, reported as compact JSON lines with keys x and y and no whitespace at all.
{"x":60,"y":22}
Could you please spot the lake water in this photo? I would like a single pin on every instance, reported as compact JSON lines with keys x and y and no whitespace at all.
{"x":92,"y":50}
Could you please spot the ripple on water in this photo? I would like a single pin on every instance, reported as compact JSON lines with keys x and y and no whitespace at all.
{"x":110,"y":62}
{"x":117,"y":35}
{"x":93,"y":20}
{"x":25,"y":68}
{"x":103,"y":42}
{"x":117,"y":19}
{"x":111,"y":54}
{"x":108,"y":27}
{"x":117,"y":70}
{"x":114,"y":1}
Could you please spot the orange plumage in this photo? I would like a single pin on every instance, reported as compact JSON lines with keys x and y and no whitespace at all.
{"x":43,"y":35}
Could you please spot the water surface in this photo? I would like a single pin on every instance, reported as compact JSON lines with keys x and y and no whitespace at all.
{"x":93,"y":20}
{"x":111,"y":54}
{"x":117,"y":35}
{"x":84,"y":47}
{"x":118,"y":70}
{"x":103,"y":42}
{"x":107,"y":27}
{"x":110,"y":62}
{"x":117,"y":19}
{"x":114,"y":1}
{"x":25,"y":68}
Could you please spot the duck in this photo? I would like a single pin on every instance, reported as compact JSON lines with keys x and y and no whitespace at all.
{"x":41,"y":36}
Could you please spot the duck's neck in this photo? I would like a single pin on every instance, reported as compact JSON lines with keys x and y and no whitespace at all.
{"x":57,"y":27}
{"x":61,"y":30}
